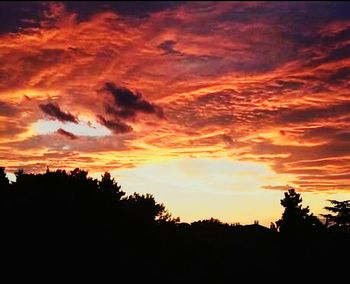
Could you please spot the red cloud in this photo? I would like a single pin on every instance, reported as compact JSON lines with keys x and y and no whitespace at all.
{"x":246,"y":80}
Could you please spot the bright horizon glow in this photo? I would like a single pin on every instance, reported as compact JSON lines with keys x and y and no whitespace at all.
{"x":197,"y":189}
{"x":231,"y":191}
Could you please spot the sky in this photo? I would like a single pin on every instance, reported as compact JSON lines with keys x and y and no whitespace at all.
{"x":215,"y":108}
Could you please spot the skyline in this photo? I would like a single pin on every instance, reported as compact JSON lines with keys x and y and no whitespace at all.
{"x":213,"y":107}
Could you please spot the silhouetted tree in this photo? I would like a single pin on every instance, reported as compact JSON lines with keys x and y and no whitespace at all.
{"x":110,"y":187}
{"x":273,"y":227}
{"x":341,"y":214}
{"x":4,"y":182}
{"x":70,"y":217}
{"x":19,"y":175}
{"x":144,"y":209}
{"x":4,"y":188}
{"x":295,"y":218}
{"x":209,"y":222}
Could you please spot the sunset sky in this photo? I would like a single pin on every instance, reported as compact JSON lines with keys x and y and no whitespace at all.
{"x":213,"y":107}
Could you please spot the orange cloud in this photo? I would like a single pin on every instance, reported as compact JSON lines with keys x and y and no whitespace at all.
{"x":249,"y":81}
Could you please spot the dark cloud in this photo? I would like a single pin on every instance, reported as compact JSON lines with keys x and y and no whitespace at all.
{"x":339,"y":76}
{"x":115,"y":125}
{"x":138,"y":9}
{"x":334,"y":55}
{"x":322,"y":132}
{"x":314,"y":113}
{"x":343,"y":137}
{"x":7,"y":109}
{"x":168,"y":46}
{"x":122,"y":113}
{"x":26,"y":14}
{"x":294,"y":85}
{"x":228,"y":140}
{"x":19,"y":15}
{"x":327,"y":134}
{"x":67,"y":134}
{"x":128,"y":103}
{"x":334,"y":38}
{"x":54,"y":111}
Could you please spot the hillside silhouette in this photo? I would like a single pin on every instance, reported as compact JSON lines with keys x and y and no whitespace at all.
{"x":61,"y":223}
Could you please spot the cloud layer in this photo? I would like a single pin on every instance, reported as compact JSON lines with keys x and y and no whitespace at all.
{"x":260,"y":82}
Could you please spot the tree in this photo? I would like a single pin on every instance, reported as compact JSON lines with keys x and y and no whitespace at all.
{"x":19,"y":175}
{"x":144,"y":209}
{"x":4,"y":182}
{"x":4,"y":187}
{"x":341,"y":214}
{"x":110,"y":187}
{"x":295,"y":218}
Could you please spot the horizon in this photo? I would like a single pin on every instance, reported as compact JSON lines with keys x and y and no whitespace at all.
{"x":232,"y":219}
{"x":214,"y":108}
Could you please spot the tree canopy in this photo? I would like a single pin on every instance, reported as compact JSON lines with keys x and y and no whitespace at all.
{"x":340,"y":214}
{"x":70,"y":218}
{"x":295,"y":218}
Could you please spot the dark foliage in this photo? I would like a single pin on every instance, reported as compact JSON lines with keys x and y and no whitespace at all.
{"x":295,"y":218}
{"x":340,"y":219}
{"x":60,"y":225}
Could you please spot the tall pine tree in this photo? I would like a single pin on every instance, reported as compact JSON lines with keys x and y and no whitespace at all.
{"x":295,"y":218}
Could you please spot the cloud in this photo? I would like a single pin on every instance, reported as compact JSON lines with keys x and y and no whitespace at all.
{"x":250,"y":81}
{"x":66,"y":133}
{"x":16,"y":16}
{"x":322,"y":133}
{"x":228,"y":140}
{"x":54,"y":111}
{"x":116,"y":125}
{"x":334,"y":55}
{"x":308,"y":114}
{"x":277,"y":187}
{"x":33,"y":145}
{"x":129,"y":103}
{"x":10,"y":129}
{"x":7,"y":109}
{"x":168,"y":46}
{"x":340,"y":75}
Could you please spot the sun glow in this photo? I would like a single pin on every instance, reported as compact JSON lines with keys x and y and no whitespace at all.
{"x":199,"y":188}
